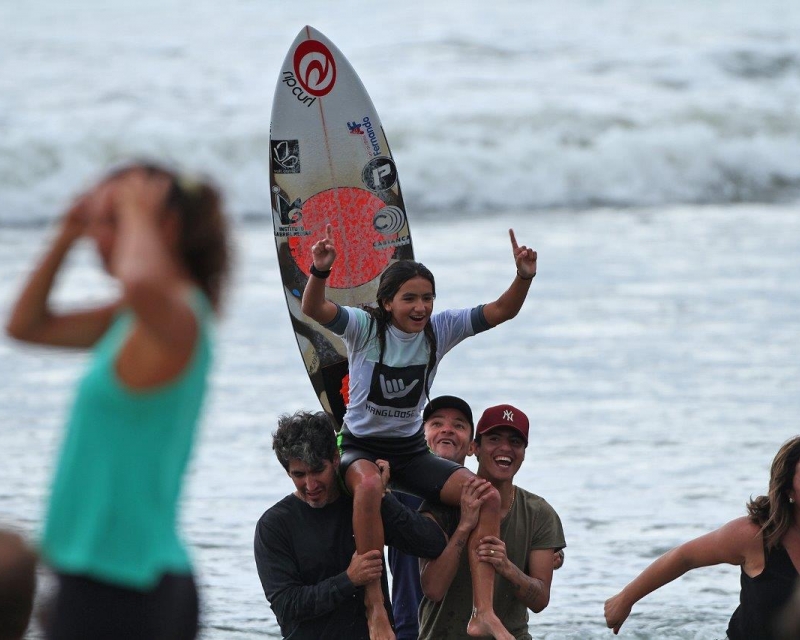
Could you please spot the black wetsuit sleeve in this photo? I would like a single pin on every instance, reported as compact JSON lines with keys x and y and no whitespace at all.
{"x":409,"y":531}
{"x":478,"y":319}
{"x":290,"y":599}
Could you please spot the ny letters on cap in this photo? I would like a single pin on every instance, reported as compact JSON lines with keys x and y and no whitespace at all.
{"x":503,"y":415}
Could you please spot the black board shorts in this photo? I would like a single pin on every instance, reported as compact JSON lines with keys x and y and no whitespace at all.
{"x":413,"y":467}
{"x":87,"y":609}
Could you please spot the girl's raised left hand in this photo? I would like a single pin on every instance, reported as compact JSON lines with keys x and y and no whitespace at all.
{"x":524,"y":257}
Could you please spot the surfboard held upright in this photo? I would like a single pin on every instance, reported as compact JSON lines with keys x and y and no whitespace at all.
{"x":330,"y":163}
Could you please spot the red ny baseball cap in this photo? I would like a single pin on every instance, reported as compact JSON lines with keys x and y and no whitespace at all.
{"x":503,"y":415}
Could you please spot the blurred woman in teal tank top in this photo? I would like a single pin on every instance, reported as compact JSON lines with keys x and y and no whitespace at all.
{"x":110,"y":533}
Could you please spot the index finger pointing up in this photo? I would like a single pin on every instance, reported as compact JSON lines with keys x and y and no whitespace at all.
{"x":514,"y":244}
{"x":329,"y":232}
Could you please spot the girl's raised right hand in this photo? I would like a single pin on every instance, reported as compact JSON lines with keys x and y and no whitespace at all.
{"x":324,"y":251}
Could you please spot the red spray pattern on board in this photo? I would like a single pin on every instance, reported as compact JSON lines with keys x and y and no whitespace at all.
{"x":358,"y":261}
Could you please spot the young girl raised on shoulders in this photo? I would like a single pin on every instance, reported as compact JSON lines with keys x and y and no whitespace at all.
{"x":393,"y":352}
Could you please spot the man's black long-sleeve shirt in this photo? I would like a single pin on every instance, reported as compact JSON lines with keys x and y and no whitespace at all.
{"x":302,"y":554}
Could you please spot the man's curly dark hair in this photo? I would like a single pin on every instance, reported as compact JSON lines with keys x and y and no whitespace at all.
{"x":305,"y":436}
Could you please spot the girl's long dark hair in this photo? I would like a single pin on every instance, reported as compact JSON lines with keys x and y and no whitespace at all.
{"x":395,"y":275}
{"x":773,"y":512}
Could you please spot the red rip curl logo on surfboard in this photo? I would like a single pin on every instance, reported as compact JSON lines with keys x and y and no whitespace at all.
{"x":314,"y":68}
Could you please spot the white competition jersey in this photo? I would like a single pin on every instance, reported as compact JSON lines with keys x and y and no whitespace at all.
{"x":388,"y":401}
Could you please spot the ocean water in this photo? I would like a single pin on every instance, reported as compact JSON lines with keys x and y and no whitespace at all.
{"x":657,"y":358}
{"x":649,"y":151}
{"x":508,"y":105}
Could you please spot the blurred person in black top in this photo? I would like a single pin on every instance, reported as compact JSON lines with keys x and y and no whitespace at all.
{"x":17,"y":585}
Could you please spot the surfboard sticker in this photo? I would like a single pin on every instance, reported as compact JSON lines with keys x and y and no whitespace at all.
{"x":330,"y":163}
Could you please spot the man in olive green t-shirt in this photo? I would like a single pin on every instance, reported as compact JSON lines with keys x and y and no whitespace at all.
{"x":530,"y":533}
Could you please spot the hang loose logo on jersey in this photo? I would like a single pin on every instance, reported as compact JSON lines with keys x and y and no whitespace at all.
{"x":398,"y":387}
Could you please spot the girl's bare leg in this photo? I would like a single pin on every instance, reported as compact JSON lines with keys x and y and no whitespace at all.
{"x":484,"y":621}
{"x":363,"y":479}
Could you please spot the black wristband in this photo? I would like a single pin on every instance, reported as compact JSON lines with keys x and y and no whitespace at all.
{"x":320,"y":274}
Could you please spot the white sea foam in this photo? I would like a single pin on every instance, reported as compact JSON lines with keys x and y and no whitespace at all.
{"x":488,"y":106}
